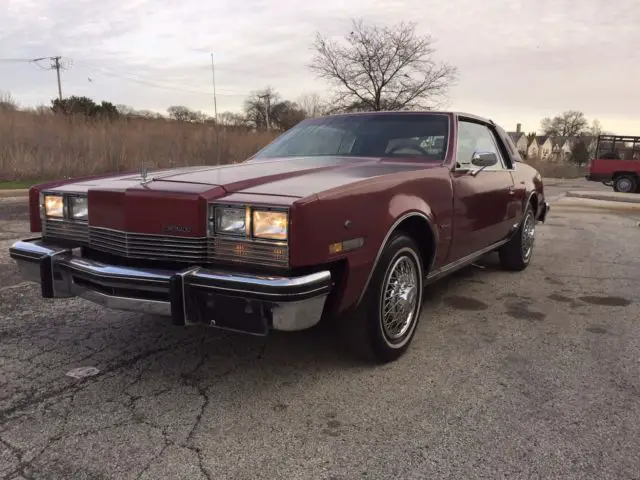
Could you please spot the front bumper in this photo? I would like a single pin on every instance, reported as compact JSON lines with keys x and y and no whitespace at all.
{"x":246,"y":303}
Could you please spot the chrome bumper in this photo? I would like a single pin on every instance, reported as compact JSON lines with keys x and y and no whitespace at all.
{"x":247,"y":303}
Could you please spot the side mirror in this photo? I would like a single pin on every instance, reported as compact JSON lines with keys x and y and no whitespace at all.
{"x":484,"y":159}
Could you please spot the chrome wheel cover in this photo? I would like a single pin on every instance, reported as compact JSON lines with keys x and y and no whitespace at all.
{"x":528,"y":236}
{"x":400,"y":298}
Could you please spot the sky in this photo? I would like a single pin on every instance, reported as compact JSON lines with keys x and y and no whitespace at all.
{"x":518,"y":61}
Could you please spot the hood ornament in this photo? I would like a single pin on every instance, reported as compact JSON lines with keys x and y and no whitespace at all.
{"x":144,"y":172}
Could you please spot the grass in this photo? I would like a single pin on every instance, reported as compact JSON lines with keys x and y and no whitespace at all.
{"x":558,"y":170}
{"x":17,"y":184}
{"x":42,"y":145}
{"x":37,"y":145}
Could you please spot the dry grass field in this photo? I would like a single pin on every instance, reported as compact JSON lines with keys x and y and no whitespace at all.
{"x":41,"y":146}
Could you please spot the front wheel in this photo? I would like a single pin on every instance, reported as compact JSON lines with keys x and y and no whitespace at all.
{"x":517,"y":252}
{"x":385,"y":321}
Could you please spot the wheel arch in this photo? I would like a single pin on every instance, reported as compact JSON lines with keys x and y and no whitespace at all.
{"x":532,"y":199}
{"x":620,"y":173}
{"x":417,"y":225}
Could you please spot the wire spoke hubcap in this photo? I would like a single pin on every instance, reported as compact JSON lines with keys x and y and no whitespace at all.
{"x":528,"y":236}
{"x":399,"y":298}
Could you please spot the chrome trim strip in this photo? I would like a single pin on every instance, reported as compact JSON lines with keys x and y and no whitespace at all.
{"x":115,"y":272}
{"x":462,"y":262}
{"x":386,"y":239}
{"x":265,"y":280}
{"x":265,"y":294}
{"x":34,"y":249}
{"x":161,"y":236}
{"x":151,"y":307}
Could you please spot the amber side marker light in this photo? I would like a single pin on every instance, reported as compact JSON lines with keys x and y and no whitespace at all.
{"x":347,"y":245}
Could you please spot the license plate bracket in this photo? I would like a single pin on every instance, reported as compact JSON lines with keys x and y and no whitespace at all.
{"x":232,"y":313}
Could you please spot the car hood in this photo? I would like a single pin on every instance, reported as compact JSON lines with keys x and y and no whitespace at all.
{"x":176,"y":200}
{"x":284,"y":177}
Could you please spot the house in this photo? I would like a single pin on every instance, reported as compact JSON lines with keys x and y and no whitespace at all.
{"x":561,"y":148}
{"x":540,"y":147}
{"x":519,"y":139}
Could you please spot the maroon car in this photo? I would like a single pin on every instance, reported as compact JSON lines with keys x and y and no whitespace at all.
{"x":345,"y":217}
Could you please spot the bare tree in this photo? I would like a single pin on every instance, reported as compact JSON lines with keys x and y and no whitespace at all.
{"x":233,"y":119}
{"x":382,"y":68}
{"x":568,"y":124}
{"x":312,"y":105}
{"x":7,"y":102}
{"x":258,"y":107}
{"x":267,"y":107}
{"x":183,"y":114}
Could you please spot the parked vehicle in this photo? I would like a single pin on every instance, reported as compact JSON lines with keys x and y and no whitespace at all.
{"x":616,"y":163}
{"x":343,"y":217}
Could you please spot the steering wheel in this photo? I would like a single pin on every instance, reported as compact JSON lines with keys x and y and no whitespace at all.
{"x":416,"y":148}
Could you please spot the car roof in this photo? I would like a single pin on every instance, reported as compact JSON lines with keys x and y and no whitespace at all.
{"x":417,"y":112}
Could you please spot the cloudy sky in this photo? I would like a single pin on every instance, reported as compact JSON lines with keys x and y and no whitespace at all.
{"x":518,"y":61}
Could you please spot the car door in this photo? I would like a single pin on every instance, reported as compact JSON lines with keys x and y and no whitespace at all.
{"x":482,"y":205}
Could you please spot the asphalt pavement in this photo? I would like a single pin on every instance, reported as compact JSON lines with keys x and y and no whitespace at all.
{"x":511,"y":375}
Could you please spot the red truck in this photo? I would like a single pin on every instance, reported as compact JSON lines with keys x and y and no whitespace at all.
{"x":617,"y":163}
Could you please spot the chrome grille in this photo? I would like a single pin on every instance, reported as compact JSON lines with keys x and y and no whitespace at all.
{"x":169,"y":248}
{"x":65,"y":230}
{"x":149,"y":247}
{"x":252,"y":252}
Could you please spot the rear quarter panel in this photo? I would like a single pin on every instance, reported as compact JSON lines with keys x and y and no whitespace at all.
{"x":372,"y":207}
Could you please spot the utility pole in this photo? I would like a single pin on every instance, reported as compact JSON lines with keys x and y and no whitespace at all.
{"x":267,"y":97}
{"x":213,"y":77}
{"x":56,"y":65}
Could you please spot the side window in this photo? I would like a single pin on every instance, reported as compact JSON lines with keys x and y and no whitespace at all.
{"x":475,"y":137}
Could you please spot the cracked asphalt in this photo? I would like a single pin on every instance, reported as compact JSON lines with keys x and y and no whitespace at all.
{"x":511,"y":375}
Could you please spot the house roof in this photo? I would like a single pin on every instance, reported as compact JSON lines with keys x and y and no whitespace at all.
{"x":515,"y":136}
{"x":558,"y":141}
{"x":540,"y":139}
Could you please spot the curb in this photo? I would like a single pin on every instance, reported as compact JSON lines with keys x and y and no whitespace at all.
{"x":14,"y":193}
{"x":586,"y":204}
{"x":607,"y":196}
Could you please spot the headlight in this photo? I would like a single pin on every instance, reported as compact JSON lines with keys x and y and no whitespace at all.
{"x":270,"y":224}
{"x":231,"y":221}
{"x":54,"y":206}
{"x":78,"y":208}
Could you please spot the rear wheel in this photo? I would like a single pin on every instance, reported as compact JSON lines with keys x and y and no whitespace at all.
{"x":625,"y":184}
{"x":386,"y":319}
{"x":517,"y":252}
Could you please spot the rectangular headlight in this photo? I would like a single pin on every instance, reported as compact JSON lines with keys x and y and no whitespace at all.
{"x":231,"y":221}
{"x":78,"y":208}
{"x":54,"y":206}
{"x":271,"y":225}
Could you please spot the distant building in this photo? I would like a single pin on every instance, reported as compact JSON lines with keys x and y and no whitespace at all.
{"x":520,"y":140}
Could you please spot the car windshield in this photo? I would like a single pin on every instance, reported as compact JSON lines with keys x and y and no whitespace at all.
{"x":368,"y":135}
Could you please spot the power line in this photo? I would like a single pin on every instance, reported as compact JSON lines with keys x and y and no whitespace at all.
{"x":55,"y":65}
{"x":137,"y":79}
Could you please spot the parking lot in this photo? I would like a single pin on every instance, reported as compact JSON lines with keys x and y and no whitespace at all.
{"x":511,"y":375}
